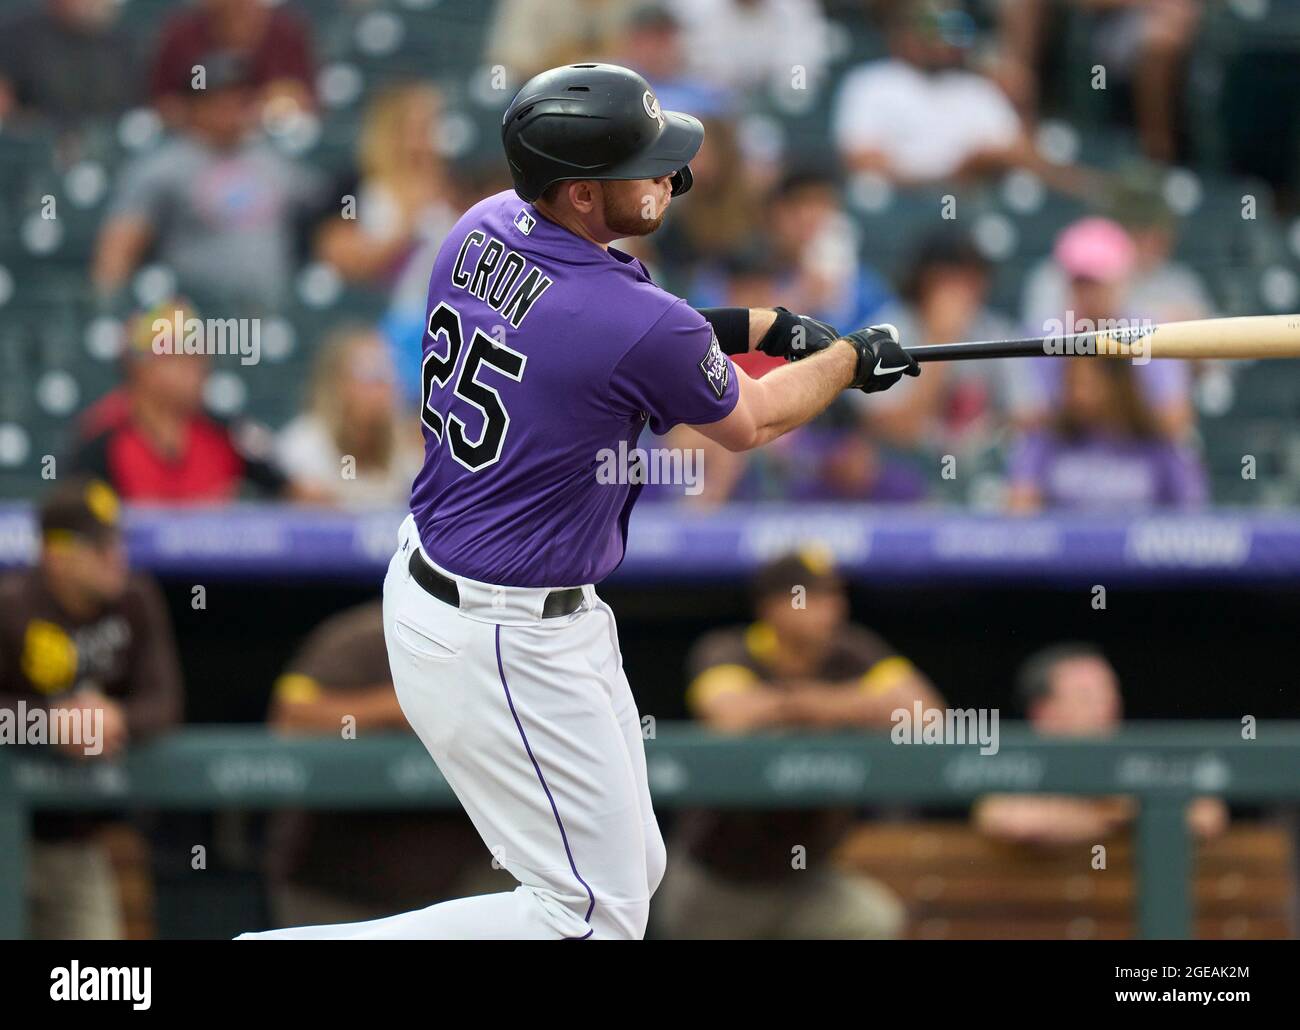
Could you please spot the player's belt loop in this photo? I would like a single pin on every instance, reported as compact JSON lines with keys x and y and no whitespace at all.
{"x":558,"y":602}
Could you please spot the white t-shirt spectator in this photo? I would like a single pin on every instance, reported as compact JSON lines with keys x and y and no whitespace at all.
{"x":308,"y":454}
{"x":926,"y":123}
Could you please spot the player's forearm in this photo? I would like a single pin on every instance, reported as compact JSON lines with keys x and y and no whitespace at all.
{"x":746,"y":712}
{"x":787,"y":397}
{"x":845,"y":704}
{"x":153,"y":713}
{"x":760,"y":321}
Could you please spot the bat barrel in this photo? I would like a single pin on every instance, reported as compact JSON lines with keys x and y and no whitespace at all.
{"x":1250,"y":336}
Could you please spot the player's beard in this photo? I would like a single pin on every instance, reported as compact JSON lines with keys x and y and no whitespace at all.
{"x":625,"y":214}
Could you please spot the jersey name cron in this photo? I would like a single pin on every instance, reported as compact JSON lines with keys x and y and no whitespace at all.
{"x":498,"y":276}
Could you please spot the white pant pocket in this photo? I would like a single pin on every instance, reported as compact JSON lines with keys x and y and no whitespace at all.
{"x":422,"y":642}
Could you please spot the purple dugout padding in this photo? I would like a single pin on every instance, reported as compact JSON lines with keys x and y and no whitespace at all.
{"x":267,"y":542}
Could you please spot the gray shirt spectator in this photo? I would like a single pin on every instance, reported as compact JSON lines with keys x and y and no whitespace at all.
{"x":222,"y":220}
{"x":215,"y":204}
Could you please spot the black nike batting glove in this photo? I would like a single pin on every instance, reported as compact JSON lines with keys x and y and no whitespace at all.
{"x":796,"y":336}
{"x":881,"y":361}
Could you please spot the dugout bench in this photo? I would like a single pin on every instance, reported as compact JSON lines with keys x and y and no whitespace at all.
{"x":958,"y":884}
{"x":1163,"y":765}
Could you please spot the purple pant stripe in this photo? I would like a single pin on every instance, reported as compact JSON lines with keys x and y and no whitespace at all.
{"x":542,"y":780}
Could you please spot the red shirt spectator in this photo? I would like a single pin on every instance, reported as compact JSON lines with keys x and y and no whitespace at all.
{"x":151,"y":438}
{"x":275,"y":43}
{"x":212,"y":462}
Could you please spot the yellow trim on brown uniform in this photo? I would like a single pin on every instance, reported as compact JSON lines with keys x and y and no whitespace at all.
{"x":49,"y":658}
{"x":717,"y":680}
{"x":885,"y":675}
{"x":294,"y":688}
{"x":760,"y":640}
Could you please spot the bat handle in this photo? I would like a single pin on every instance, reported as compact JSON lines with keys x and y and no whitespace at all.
{"x":983,"y":349}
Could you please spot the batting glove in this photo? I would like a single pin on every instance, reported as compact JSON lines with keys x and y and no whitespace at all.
{"x":881,"y":361}
{"x":797,"y":336}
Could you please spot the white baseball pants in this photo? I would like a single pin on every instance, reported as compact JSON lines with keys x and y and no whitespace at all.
{"x":533,"y":724}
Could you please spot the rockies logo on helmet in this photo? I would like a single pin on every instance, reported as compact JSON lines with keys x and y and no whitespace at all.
{"x":652,"y":107}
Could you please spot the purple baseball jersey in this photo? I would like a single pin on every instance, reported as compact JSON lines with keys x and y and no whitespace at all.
{"x":542,"y":351}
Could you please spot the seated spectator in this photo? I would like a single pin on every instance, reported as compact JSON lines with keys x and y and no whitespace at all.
{"x":401,"y":195}
{"x":802,"y":665}
{"x":273,"y":43}
{"x":340,"y":867}
{"x":831,"y":460}
{"x":351,"y":445}
{"x":1071,"y":690}
{"x":404,"y":323}
{"x":814,"y":247}
{"x":944,"y":299}
{"x":697,"y":245}
{"x":66,"y":60}
{"x":1144,"y":47}
{"x":650,"y":41}
{"x":747,"y":45}
{"x":215,"y":204}
{"x":80,"y":633}
{"x":1103,"y":450}
{"x":1163,"y":289}
{"x":921,"y":115}
{"x":814,"y":239}
{"x":1097,"y":260}
{"x":153,"y":442}
{"x":529,"y":36}
{"x":1160,"y":288}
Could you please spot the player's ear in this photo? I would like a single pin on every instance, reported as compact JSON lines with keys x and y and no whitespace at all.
{"x":583,"y":195}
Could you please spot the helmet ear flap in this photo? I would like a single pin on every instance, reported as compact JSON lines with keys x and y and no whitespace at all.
{"x":682,"y":180}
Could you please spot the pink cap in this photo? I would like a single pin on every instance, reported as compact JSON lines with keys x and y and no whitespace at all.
{"x":1095,"y":248}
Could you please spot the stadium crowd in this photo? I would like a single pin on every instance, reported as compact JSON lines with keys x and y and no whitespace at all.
{"x":925,"y":163}
{"x":918,"y":162}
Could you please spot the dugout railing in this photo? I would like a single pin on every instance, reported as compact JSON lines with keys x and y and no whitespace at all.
{"x":1163,"y":765}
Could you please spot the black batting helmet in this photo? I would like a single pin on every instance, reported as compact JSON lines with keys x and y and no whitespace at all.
{"x":595,"y":121}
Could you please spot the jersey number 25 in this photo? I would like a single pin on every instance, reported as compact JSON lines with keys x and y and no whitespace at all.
{"x":475,"y":455}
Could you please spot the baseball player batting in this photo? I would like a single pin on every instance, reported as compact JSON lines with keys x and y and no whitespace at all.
{"x":545,"y":346}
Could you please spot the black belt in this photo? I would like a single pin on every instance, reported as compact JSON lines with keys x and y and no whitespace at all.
{"x":558,"y":602}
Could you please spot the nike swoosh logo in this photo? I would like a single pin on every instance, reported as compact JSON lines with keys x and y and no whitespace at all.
{"x":886,"y":371}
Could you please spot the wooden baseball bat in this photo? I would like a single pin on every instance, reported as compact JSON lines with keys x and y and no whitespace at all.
{"x":1252,"y":336}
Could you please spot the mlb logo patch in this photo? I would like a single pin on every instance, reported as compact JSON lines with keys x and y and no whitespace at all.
{"x":524,"y":222}
{"x":716,"y":368}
